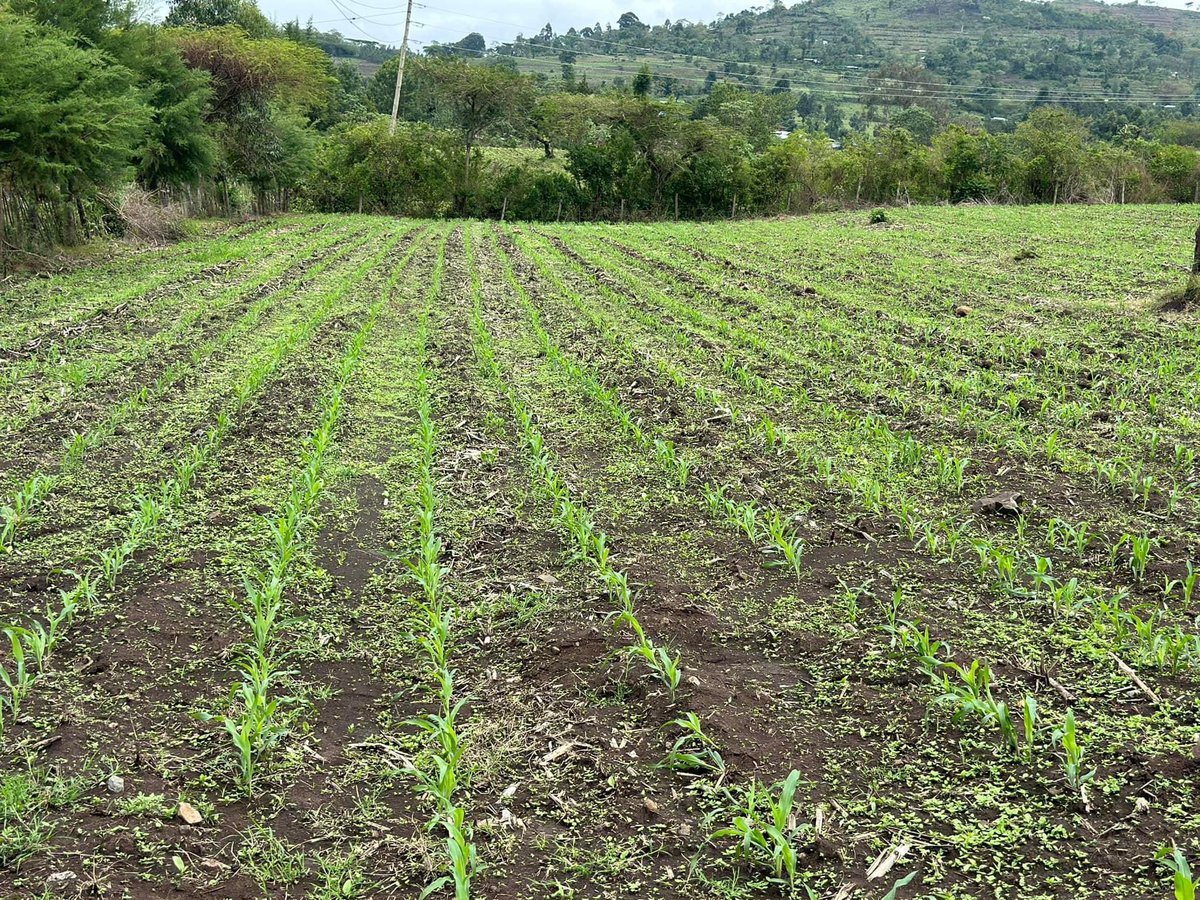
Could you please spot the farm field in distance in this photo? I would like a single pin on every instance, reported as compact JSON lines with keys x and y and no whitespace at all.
{"x":792,"y":558}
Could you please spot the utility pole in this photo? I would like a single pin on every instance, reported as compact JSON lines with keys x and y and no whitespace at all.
{"x":400,"y":69}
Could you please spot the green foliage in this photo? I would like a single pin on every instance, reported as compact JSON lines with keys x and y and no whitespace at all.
{"x":70,"y":120}
{"x":216,"y":13}
{"x":1184,"y":882}
{"x":255,"y":72}
{"x":766,"y":828}
{"x":412,"y":172}
{"x":177,"y":148}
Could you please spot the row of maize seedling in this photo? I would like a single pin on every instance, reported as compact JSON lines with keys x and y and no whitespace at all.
{"x":1164,"y":647}
{"x":437,"y":769}
{"x":767,"y":528}
{"x":35,"y":641}
{"x":262,"y":715}
{"x":96,"y":290}
{"x":57,"y":362}
{"x":590,"y":542}
{"x":967,"y":691}
{"x":1015,"y":435}
{"x":763,"y":821}
{"x":34,"y":491}
{"x":902,"y":452}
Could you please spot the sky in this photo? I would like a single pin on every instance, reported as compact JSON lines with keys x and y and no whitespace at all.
{"x":496,"y":20}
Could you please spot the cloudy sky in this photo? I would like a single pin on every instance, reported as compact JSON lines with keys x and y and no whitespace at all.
{"x":497,"y":20}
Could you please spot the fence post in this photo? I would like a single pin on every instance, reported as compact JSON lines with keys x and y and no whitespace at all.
{"x":503,"y":209}
{"x":558,"y":218}
{"x":677,"y":207}
{"x":622,"y":209}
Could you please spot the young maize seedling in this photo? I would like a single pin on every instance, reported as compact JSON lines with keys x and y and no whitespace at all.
{"x":1185,"y":459}
{"x":464,"y":862}
{"x":1139,"y":555}
{"x":1073,"y":769}
{"x":18,"y":680}
{"x":790,"y":545}
{"x":1067,"y":599}
{"x":891,"y":612}
{"x":693,"y":751}
{"x":851,"y":595}
{"x":111,"y":562}
{"x":28,"y":497}
{"x":1032,"y":726}
{"x":1184,"y":883}
{"x":1077,"y":537}
{"x":951,"y":471}
{"x":667,"y":668}
{"x":927,"y":651}
{"x":1040,"y":575}
{"x":1006,"y":569}
{"x":906,"y":510}
{"x":770,"y":839}
{"x":1021,"y":526}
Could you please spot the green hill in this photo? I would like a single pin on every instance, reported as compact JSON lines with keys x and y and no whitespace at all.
{"x":989,"y":57}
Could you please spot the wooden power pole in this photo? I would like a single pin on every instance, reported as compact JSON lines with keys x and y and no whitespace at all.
{"x":400,"y":69}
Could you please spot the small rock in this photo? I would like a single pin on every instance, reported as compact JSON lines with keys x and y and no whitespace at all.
{"x":189,"y":813}
{"x":693,"y":681}
{"x":115,"y":784}
{"x":1005,"y":503}
{"x":60,"y":881}
{"x":1141,"y":805}
{"x":963,"y":311}
{"x":651,"y":806}
{"x":1196,"y":747}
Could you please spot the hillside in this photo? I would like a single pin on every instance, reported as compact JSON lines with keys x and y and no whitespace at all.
{"x":990,"y":57}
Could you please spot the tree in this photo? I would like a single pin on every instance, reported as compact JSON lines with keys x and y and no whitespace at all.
{"x":272,"y":149}
{"x":348,"y":100}
{"x":918,"y":122}
{"x":246,"y":71}
{"x":85,"y":20}
{"x":245,"y":14}
{"x":262,"y":92}
{"x":1176,"y":170}
{"x":477,"y":98}
{"x":642,"y":82}
{"x":363,"y":167}
{"x":69,"y":123}
{"x":755,"y":115}
{"x":790,"y":173}
{"x":473,"y":44}
{"x":1051,"y":140}
{"x":961,"y":158}
{"x":568,"y":58}
{"x":177,"y":147}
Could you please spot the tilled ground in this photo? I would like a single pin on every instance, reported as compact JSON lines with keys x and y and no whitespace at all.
{"x":795,"y":395}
